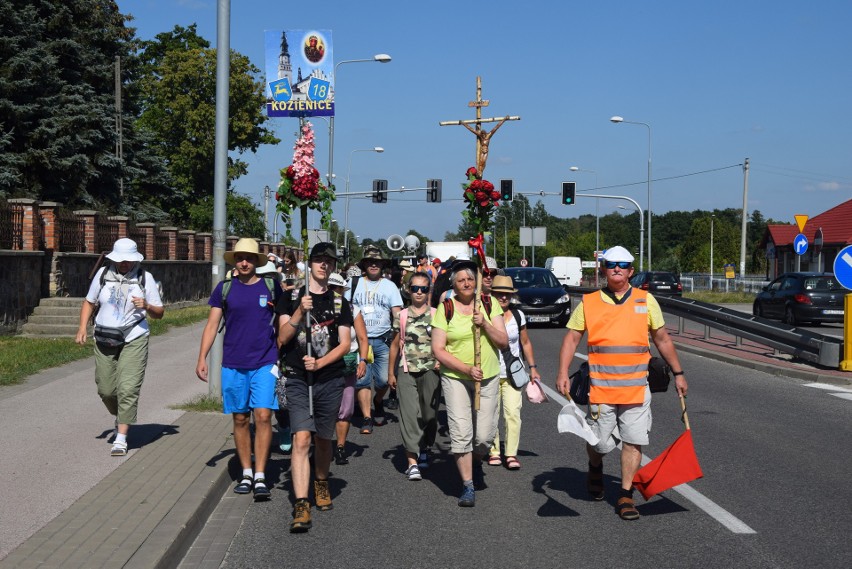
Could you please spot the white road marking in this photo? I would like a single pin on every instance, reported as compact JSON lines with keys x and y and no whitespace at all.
{"x":715,"y":511}
{"x":828,"y":387}
{"x":846,"y":396}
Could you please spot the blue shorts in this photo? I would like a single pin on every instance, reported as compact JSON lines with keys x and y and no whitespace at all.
{"x":377,"y":372}
{"x":247,"y":389}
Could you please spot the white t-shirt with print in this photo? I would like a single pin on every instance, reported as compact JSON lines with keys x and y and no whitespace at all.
{"x":116,"y":303}
{"x":376,"y":300}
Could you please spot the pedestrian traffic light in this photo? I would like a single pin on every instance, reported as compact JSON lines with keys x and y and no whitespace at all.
{"x":569,"y":193}
{"x":433,"y":191}
{"x":506,"y":190}
{"x":380,"y":188}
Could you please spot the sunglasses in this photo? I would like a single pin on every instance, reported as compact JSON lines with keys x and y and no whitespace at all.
{"x":619,"y":264}
{"x":419,"y":288}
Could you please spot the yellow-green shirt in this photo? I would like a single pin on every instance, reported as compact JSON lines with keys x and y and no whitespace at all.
{"x":655,"y":314}
{"x":460,"y":341}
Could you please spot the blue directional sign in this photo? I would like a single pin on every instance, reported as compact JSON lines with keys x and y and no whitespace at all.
{"x":843,"y":267}
{"x":800,"y":244}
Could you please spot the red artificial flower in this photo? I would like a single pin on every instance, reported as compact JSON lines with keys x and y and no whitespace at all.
{"x":495,"y":195}
{"x":471,"y":172}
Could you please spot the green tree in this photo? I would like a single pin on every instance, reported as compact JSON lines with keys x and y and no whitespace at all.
{"x":245,"y":218}
{"x":179,"y":109}
{"x":57,"y":100}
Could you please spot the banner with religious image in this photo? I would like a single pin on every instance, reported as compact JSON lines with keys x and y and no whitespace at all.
{"x":299,"y":71}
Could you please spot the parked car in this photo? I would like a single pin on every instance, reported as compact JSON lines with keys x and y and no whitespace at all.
{"x":540,"y":295}
{"x":657,"y":282}
{"x":802,"y":297}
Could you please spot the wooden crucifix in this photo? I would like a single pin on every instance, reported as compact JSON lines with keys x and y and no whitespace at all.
{"x":483,"y":137}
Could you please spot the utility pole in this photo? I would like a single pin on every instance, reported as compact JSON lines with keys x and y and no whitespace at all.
{"x":119,"y":143}
{"x":744,"y":227}
{"x":266,"y":192}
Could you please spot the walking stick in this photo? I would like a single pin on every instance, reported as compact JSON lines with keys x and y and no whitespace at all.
{"x":309,"y":375}
{"x":477,"y":340}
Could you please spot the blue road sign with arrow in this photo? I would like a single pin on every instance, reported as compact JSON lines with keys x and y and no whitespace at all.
{"x":843,"y":267}
{"x":800,"y":244}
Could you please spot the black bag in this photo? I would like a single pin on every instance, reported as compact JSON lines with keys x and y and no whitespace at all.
{"x":516,"y":372}
{"x":112,"y":337}
{"x":580,"y":380}
{"x":659,"y":375}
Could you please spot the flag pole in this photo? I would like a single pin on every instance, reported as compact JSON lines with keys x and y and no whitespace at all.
{"x":684,"y":417}
{"x":477,"y":340}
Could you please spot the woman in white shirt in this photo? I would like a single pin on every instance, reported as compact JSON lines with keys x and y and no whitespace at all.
{"x":124,"y":296}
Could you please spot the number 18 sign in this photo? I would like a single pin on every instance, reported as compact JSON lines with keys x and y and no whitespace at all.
{"x":308,"y":54}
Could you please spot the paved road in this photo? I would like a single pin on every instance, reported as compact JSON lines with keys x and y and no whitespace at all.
{"x":774,"y":493}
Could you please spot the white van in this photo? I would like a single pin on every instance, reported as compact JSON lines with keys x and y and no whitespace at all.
{"x":567,"y":270}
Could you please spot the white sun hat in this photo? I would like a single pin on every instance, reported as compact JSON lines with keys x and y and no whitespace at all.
{"x":125,"y":250}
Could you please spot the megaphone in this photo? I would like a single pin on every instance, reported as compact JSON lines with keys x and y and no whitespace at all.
{"x":411,"y":243}
{"x":395,"y":242}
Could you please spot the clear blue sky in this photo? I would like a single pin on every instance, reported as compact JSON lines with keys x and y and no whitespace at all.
{"x":717,"y":81}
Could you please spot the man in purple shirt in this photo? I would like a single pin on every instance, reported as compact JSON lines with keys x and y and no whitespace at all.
{"x":249,"y":360}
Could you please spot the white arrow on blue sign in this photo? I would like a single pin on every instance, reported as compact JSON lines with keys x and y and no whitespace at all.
{"x":800,"y":244}
{"x":843,"y":267}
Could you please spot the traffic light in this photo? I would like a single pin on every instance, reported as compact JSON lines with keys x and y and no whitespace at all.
{"x":569,"y":193}
{"x":380,"y":191}
{"x":433,"y":191}
{"x":506,"y":190}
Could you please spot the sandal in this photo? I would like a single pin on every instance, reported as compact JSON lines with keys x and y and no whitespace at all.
{"x":512,"y":463}
{"x":594,"y":482}
{"x":627,"y":509}
{"x":244,"y":486}
{"x":494,"y":460}
{"x":118,"y":449}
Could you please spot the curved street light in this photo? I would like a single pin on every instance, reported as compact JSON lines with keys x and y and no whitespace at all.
{"x":597,"y":216}
{"x":616,"y":120}
{"x":380,"y":58}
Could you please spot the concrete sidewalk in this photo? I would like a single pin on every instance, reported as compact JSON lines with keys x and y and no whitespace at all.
{"x":67,"y":503}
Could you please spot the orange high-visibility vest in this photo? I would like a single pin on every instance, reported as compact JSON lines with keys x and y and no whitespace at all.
{"x":618,"y":348}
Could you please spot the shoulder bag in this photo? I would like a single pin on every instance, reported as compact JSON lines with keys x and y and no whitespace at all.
{"x":516,"y":372}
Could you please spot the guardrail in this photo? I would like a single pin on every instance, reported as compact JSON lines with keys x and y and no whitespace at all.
{"x":815,"y":348}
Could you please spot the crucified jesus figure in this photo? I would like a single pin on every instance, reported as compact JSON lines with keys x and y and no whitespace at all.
{"x":483,"y":137}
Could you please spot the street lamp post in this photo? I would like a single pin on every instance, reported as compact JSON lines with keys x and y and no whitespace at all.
{"x":712,"y":217}
{"x":381,"y":58}
{"x":617,"y":120}
{"x":641,"y":228}
{"x":597,"y":218}
{"x":378,"y":149}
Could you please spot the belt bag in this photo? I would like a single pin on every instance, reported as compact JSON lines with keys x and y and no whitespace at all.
{"x":515,"y":369}
{"x":580,"y":380}
{"x":659,"y":375}
{"x":112,"y":337}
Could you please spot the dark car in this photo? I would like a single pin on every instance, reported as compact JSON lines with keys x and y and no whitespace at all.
{"x":802,"y":297}
{"x":658,"y":282}
{"x":540,"y":296}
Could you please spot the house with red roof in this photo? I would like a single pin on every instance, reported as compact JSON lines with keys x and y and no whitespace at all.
{"x":835,"y":227}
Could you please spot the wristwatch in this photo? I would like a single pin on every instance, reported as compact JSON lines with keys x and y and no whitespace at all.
{"x":677,"y":373}
{"x":533,"y":365}
{"x":363,"y":360}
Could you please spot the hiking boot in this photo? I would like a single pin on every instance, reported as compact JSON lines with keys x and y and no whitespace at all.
{"x":340,"y":456}
{"x":301,"y":517}
{"x":413,"y":473}
{"x":468,"y":498}
{"x":594,"y":482}
{"x":322,"y":495}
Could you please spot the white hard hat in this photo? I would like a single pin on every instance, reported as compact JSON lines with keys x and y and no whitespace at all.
{"x":618,"y":254}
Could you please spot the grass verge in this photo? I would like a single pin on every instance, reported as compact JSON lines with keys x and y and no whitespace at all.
{"x":721,"y":297}
{"x":201,"y":404}
{"x":23,"y":357}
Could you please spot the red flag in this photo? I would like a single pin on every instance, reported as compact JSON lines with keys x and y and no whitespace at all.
{"x":676,"y":465}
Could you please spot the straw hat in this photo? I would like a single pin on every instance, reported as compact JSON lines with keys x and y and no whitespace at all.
{"x":503,"y":284}
{"x":248,"y":246}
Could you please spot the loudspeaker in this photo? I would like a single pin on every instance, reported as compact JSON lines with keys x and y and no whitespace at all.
{"x":395,"y":242}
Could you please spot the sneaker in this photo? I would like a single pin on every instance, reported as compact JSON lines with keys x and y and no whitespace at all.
{"x":367,"y":426}
{"x":301,"y":517}
{"x":261,"y":491}
{"x":118,"y":449}
{"x":468,"y":498}
{"x":244,"y":485}
{"x":413,"y":473}
{"x":423,"y":460}
{"x":340,"y":456}
{"x":285,"y":440}
{"x":322,"y":495}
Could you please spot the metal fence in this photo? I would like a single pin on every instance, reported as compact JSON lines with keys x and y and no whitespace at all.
{"x":71,"y":231}
{"x":161,"y":246}
{"x":182,"y":247}
{"x":700,"y":281}
{"x":11,"y":220}
{"x":107,"y":234}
